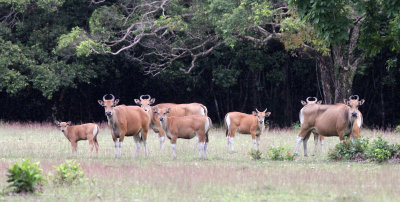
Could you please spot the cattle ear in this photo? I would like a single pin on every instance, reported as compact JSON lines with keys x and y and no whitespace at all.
{"x":137,"y":101}
{"x":254,"y":113}
{"x":57,"y":123}
{"x":319,"y":102}
{"x":361,"y":102}
{"x":116,"y":102}
{"x":101,"y":102}
{"x":69,"y":123}
{"x":345,"y":102}
{"x":152,"y":101}
{"x":303,"y":102}
{"x":268,"y":114}
{"x":155,"y":110}
{"x":168,"y":110}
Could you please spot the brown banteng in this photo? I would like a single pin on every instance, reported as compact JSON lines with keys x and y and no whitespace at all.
{"x":75,"y":133}
{"x":145,"y":101}
{"x":185,"y":127}
{"x":354,"y":102}
{"x":326,"y":120}
{"x":317,"y":137}
{"x":126,"y":121}
{"x":245,"y":124}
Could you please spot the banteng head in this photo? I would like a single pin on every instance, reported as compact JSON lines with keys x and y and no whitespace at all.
{"x":161,"y":113}
{"x":63,"y":125}
{"x":261,"y":115}
{"x":311,"y":100}
{"x":108,"y":104}
{"x":353,"y":102}
{"x":145,"y":101}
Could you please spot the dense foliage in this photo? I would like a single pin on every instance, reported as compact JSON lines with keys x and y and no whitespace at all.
{"x":68,"y":173}
{"x":57,"y":57}
{"x":25,"y":177}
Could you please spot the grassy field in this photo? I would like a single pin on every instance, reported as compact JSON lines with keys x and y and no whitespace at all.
{"x":223,"y":177}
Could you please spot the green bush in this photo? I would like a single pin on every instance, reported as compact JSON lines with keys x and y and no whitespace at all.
{"x":380,"y":150}
{"x":255,"y":154}
{"x":280,"y":154}
{"x":296,"y":125}
{"x":398,"y":128}
{"x":350,"y":151}
{"x":69,"y":173}
{"x":25,"y":177}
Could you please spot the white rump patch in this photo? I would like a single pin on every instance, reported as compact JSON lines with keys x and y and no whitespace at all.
{"x":203,"y":111}
{"x":227,"y":121}
{"x":301,"y":117}
{"x":207,"y":125}
{"x":95,"y":130}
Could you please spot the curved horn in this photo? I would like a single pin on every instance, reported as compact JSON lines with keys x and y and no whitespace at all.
{"x":358,"y":98}
{"x":104,"y":97}
{"x":265,"y":110}
{"x":149,"y":97}
{"x":141,"y":97}
{"x":113,"y":98}
{"x":308,"y":99}
{"x":257,"y":110}
{"x":315,"y":99}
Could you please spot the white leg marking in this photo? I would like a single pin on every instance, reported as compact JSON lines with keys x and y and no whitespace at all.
{"x":299,"y":140}
{"x":205,"y":150}
{"x":162,"y":140}
{"x":227,"y":143}
{"x":173,"y":151}
{"x":231,"y":142}
{"x":254,"y":143}
{"x":116,"y":148}
{"x":258,"y":144}
{"x":145,"y":148}
{"x":137,"y":148}
{"x":201,"y":153}
{"x":322,"y":146}
{"x":120,"y":149}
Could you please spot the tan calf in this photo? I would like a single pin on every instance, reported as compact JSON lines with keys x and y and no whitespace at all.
{"x":145,"y":101}
{"x":126,"y":121}
{"x":245,"y":124}
{"x":76,"y":133}
{"x":185,"y":127}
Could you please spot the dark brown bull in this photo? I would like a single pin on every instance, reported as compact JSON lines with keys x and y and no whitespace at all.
{"x":126,"y":121}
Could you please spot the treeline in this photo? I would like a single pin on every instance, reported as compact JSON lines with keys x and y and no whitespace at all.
{"x":55,"y":63}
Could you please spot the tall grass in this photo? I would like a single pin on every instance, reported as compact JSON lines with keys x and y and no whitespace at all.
{"x":223,"y":177}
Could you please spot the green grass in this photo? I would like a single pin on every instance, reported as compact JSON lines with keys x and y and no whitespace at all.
{"x":223,"y":177}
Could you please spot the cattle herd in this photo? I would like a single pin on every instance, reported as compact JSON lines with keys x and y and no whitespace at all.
{"x":189,"y":121}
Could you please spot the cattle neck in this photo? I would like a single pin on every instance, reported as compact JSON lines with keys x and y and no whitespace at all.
{"x":164,"y":124}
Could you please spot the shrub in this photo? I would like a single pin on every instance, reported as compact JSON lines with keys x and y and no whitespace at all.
{"x":398,"y":128}
{"x":280,"y":154}
{"x":25,"y":177}
{"x":255,"y":154}
{"x":69,"y":173}
{"x":350,"y":151}
{"x":296,"y":125}
{"x":380,"y":150}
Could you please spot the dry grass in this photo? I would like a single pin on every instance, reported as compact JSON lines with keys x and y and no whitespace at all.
{"x":223,"y":177}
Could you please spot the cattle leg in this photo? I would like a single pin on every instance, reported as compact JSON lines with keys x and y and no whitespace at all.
{"x":162,"y":138}
{"x":305,"y":145}
{"x":196,"y":142}
{"x":316,"y":139}
{"x":202,"y":140}
{"x":74,"y":145}
{"x":173,"y":145}
{"x":258,"y":141}
{"x":144,"y":139}
{"x":91,"y":143}
{"x":96,"y":144}
{"x":230,"y":138}
{"x":300,"y":138}
{"x":137,"y":141}
{"x":253,"y":137}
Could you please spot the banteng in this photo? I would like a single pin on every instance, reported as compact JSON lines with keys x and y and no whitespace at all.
{"x":245,"y":124}
{"x":126,"y":121}
{"x":185,"y":127}
{"x":326,"y":120}
{"x":75,"y":133}
{"x":317,"y":138}
{"x":145,"y":101}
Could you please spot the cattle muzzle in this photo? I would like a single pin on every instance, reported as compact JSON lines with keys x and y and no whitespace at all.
{"x":354,"y":114}
{"x":62,"y":130}
{"x":109,"y":113}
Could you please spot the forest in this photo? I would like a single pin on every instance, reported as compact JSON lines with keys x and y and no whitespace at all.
{"x":58,"y":57}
